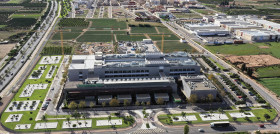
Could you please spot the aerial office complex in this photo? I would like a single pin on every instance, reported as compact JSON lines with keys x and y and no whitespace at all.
{"x":122,"y":73}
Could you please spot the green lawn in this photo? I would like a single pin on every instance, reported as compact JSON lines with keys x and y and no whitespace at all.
{"x":158,"y":37}
{"x":130,"y":38}
{"x":1,"y":26}
{"x":143,"y":30}
{"x":273,"y":71}
{"x":247,"y":49}
{"x":66,"y":36}
{"x":95,"y":38}
{"x":173,"y":46}
{"x":108,"y":23}
{"x":271,"y":83}
{"x":25,"y":16}
{"x":29,"y":116}
{"x":165,"y":118}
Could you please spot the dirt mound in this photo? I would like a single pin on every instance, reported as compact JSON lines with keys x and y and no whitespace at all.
{"x":254,"y":60}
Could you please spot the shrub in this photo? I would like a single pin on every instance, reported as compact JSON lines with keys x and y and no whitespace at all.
{"x":30,"y":118}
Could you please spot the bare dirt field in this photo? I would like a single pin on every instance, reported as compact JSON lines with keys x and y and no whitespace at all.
{"x":264,"y":47}
{"x":5,"y":49}
{"x":254,"y":60}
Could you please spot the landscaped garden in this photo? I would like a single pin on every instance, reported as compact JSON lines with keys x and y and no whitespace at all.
{"x":22,"y":111}
{"x":253,"y":115}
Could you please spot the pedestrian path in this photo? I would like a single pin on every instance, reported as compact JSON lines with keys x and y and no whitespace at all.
{"x":148,"y":131}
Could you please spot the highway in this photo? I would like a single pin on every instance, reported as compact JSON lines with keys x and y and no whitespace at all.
{"x":20,"y":59}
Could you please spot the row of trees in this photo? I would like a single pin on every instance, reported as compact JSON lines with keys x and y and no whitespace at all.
{"x":113,"y":103}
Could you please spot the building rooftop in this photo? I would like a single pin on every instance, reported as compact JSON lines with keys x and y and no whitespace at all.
{"x":161,"y":95}
{"x":124,"y":96}
{"x":143,"y":96}
{"x":199,"y":82}
{"x":104,"y":97}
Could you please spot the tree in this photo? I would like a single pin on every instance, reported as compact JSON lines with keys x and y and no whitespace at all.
{"x":73,"y":105}
{"x":125,"y":102}
{"x":241,"y":111}
{"x":210,"y":98}
{"x":186,"y":129}
{"x":137,"y":103}
{"x":82,"y":104}
{"x":114,"y":102}
{"x":193,"y":99}
{"x":148,"y":103}
{"x":91,"y":104}
{"x":43,"y":118}
{"x":103,"y":104}
{"x":183,"y":114}
{"x":211,"y":77}
{"x":160,"y":101}
{"x":266,"y":116}
{"x":243,"y":67}
{"x":221,"y":111}
{"x":109,"y":117}
{"x":143,"y":103}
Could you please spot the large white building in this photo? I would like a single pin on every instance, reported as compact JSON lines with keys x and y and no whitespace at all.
{"x":258,"y":35}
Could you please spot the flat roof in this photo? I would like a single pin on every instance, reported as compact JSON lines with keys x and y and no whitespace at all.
{"x":104,"y":97}
{"x":161,"y":95}
{"x":124,"y":96}
{"x":142,"y":96}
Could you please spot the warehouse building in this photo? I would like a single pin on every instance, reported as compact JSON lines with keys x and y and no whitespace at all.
{"x":266,"y":24}
{"x":198,"y":85}
{"x":211,"y":32}
{"x":258,"y":35}
{"x":200,"y":26}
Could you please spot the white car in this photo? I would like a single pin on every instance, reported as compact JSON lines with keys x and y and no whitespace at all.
{"x":200,"y":130}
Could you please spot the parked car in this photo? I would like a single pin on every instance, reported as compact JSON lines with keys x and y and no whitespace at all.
{"x":251,"y":93}
{"x":200,"y":130}
{"x":49,"y":99}
{"x":261,"y":125}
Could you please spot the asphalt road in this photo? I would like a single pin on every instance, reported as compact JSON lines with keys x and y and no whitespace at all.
{"x":15,"y":65}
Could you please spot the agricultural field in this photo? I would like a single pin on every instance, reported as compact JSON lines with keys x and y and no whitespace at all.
{"x":35,"y":16}
{"x":265,"y":72}
{"x":164,"y":30}
{"x":130,"y":37}
{"x":73,"y":22}
{"x":205,"y":11}
{"x":66,"y":36}
{"x":272,"y":84}
{"x":272,"y":48}
{"x":5,"y":49}
{"x":143,"y":30}
{"x":108,"y":24}
{"x":95,"y":38}
{"x":173,"y":46}
{"x":156,"y":37}
{"x":187,"y":15}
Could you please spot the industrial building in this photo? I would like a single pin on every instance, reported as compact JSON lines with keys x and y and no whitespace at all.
{"x":200,"y":26}
{"x":211,"y":32}
{"x":198,"y":85}
{"x":265,"y":24}
{"x":258,"y":35}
